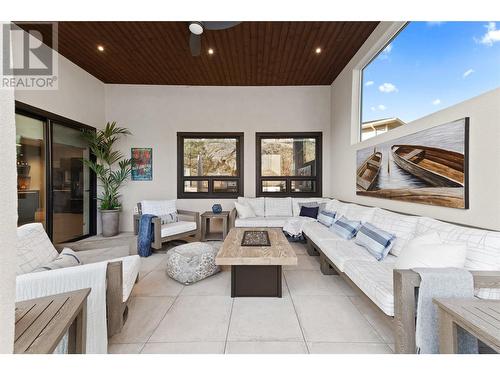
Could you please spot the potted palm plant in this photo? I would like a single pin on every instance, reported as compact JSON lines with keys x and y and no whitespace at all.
{"x":112,"y":170}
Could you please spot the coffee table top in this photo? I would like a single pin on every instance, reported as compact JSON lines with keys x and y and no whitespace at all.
{"x":280,"y":253}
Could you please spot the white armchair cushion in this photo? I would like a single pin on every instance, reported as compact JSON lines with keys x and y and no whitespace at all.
{"x":257,"y":205}
{"x":177,"y":228}
{"x":33,"y":248}
{"x":278,"y":206}
{"x":165,"y":209}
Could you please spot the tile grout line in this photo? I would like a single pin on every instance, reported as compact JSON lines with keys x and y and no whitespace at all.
{"x":297,"y":315}
{"x":369,"y":323}
{"x":163,"y":317}
{"x":228,"y":326}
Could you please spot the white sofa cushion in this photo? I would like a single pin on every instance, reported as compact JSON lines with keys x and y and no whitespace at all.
{"x":257,"y":204}
{"x":339,"y":251}
{"x":402,"y":226}
{"x":429,"y":251}
{"x":359,"y":213}
{"x":34,"y":248}
{"x":296,"y":203}
{"x":483,"y":246}
{"x":317,"y":232}
{"x":177,"y":227}
{"x":375,"y":279}
{"x":244,"y":211}
{"x":278,"y":206}
{"x":264,"y":222}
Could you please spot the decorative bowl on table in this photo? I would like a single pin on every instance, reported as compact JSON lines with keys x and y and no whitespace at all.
{"x":217,"y":208}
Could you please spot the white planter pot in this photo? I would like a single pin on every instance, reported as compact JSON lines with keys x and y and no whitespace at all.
{"x":110,"y":222}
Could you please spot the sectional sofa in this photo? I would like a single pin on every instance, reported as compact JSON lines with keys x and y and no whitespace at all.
{"x":392,"y":291}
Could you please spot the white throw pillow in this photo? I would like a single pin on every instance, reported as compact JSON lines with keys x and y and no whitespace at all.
{"x":67,"y":258}
{"x":429,"y":251}
{"x":257,"y":204}
{"x":33,"y":248}
{"x":244,"y":212}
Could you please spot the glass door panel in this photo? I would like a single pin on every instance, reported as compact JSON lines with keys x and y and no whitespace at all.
{"x":31,"y":186}
{"x":70,"y":184}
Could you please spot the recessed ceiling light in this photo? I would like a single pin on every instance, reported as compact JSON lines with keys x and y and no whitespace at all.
{"x":318,"y":51}
{"x":100,"y":48}
{"x":210,"y":51}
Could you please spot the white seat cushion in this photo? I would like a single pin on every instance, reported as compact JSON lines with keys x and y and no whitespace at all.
{"x":130,"y":270}
{"x":264,"y":222}
{"x":177,"y":227}
{"x":402,"y":226}
{"x":278,"y":206}
{"x":339,"y":251}
{"x":34,"y":248}
{"x":318,"y":232}
{"x":251,"y":222}
{"x":257,"y":204}
{"x":375,"y":280}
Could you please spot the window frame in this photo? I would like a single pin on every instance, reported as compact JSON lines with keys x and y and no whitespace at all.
{"x":181,"y":194}
{"x":318,"y":136}
{"x":386,"y":39}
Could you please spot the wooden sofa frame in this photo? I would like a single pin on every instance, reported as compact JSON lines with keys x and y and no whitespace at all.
{"x":406,"y":283}
{"x":158,"y":239}
{"x":116,"y":308}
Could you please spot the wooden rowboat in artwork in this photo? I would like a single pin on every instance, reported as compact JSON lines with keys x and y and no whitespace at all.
{"x":437,"y":166}
{"x":367,"y":173}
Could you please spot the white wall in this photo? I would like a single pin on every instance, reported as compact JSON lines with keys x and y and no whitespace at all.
{"x":79,"y":97}
{"x":8,"y":218}
{"x":155,"y":114}
{"x":484,"y":146}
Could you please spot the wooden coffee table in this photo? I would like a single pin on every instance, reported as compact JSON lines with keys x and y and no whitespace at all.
{"x":256,"y":270}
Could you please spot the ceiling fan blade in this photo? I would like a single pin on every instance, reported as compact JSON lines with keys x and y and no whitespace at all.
{"x":219,"y":25}
{"x":195,"y":44}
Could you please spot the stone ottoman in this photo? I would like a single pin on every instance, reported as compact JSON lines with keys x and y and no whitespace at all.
{"x":191,"y":262}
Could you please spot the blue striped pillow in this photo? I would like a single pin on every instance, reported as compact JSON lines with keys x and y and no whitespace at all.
{"x":326,"y":217}
{"x":345,"y":228}
{"x":378,"y":242}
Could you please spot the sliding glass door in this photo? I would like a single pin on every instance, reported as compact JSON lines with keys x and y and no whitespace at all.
{"x":70,"y":184}
{"x":31,"y":170}
{"x":54,"y":187}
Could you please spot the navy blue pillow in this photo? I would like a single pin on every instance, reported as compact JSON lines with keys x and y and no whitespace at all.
{"x":309,"y":211}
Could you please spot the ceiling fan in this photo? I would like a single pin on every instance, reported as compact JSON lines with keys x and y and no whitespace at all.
{"x":197,"y":27}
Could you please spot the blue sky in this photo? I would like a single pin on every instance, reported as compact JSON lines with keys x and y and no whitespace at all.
{"x":430,"y":66}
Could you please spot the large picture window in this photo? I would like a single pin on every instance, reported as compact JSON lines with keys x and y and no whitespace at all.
{"x":288,"y":164}
{"x":210,"y":165}
{"x":425,"y":68}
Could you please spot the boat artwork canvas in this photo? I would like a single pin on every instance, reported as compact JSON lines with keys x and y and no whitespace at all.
{"x":428,"y":167}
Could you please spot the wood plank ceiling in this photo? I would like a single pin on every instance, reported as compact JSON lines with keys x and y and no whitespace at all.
{"x":249,"y":54}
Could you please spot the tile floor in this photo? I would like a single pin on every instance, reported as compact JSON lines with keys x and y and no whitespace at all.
{"x":317,"y":314}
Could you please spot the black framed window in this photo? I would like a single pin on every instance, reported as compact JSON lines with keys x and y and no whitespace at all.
{"x":289,"y":164}
{"x":209,"y":165}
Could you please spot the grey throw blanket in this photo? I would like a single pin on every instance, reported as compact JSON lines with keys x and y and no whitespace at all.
{"x":441,"y":283}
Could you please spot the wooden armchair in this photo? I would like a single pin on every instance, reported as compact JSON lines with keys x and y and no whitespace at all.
{"x":406,"y":282}
{"x":177,"y":233}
